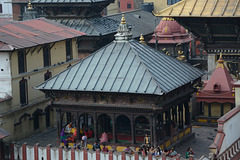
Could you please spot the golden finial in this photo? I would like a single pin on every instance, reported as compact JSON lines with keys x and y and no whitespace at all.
{"x":142,"y":39}
{"x":30,"y":5}
{"x":123,"y":21}
{"x":220,"y":62}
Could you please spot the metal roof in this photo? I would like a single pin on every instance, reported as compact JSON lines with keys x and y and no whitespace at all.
{"x":91,"y":26}
{"x":24,"y":34}
{"x":124,"y":67}
{"x":3,"y":133}
{"x":141,"y":22}
{"x":202,"y":8}
{"x":66,"y":1}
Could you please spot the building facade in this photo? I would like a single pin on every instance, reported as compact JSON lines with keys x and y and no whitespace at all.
{"x":33,"y":52}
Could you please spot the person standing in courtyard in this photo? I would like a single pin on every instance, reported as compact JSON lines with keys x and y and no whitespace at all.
{"x":147,"y":140}
{"x":189,"y":152}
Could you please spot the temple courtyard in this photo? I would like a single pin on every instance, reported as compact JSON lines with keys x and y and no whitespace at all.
{"x":204,"y":136}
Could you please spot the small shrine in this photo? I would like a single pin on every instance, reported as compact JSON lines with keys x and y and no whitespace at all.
{"x":125,"y":90}
{"x":217,"y":96}
{"x":171,"y":38}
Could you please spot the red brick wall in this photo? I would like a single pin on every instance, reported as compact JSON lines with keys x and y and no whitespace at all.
{"x":124,"y":5}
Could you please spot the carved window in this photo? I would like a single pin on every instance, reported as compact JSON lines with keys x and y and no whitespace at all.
{"x":22,"y":67}
{"x":69,"y":55}
{"x":216,"y":87}
{"x":129,"y":5}
{"x":23,"y":92}
{"x":46,"y":56}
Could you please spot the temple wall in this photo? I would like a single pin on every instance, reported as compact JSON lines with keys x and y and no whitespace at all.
{"x":26,"y":152}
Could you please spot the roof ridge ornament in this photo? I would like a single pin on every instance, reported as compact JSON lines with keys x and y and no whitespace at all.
{"x":29,"y":5}
{"x":123,"y":32}
{"x":220,"y":62}
{"x":142,"y":40}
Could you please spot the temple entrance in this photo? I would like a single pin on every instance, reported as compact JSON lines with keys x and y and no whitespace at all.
{"x":123,"y":129}
{"x":104,"y":125}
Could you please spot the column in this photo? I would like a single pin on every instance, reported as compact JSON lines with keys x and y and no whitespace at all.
{"x":187,"y":113}
{"x":182,"y":116}
{"x":95,"y":126}
{"x":151,"y":127}
{"x":209,"y":109}
{"x":168,"y":119}
{"x":58,"y":124}
{"x":154,"y":131}
{"x":193,"y":47}
{"x":77,"y":125}
{"x":179,"y":115}
{"x":175,"y":114}
{"x":132,"y":129}
{"x":221,"y":109}
{"x":161,"y":127}
{"x":114,"y":128}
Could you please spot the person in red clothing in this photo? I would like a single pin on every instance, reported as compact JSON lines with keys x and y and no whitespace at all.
{"x":73,"y":138}
{"x":90,"y":133}
{"x":104,"y":148}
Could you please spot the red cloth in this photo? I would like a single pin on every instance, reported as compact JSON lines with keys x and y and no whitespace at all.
{"x":104,"y":138}
{"x":90,"y":134}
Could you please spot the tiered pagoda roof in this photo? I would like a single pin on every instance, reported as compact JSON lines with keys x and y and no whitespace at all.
{"x":219,"y":88}
{"x":124,"y":66}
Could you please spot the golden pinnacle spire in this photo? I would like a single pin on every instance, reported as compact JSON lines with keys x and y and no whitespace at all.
{"x":29,"y":5}
{"x":220,"y":62}
{"x":142,"y":39}
{"x":123,"y":21}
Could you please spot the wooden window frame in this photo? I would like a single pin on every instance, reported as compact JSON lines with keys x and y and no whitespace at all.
{"x":46,"y":56}
{"x":22,"y":63}
{"x":69,"y":52}
{"x":23,"y":92}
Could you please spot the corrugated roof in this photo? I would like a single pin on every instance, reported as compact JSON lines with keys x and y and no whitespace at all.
{"x":125,"y":67}
{"x":203,"y":8}
{"x":141,"y":22}
{"x":91,"y":26}
{"x":66,"y":1}
{"x":24,"y":34}
{"x":3,"y":133}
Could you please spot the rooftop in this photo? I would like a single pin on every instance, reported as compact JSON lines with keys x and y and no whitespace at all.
{"x":124,"y":66}
{"x":24,"y":34}
{"x":202,"y":8}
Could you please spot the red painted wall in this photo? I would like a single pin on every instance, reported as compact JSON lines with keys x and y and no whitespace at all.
{"x":124,"y":4}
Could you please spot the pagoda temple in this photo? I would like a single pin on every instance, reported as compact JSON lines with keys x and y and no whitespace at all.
{"x":126,"y":89}
{"x":216,"y":23}
{"x":171,"y":37}
{"x":218,"y":95}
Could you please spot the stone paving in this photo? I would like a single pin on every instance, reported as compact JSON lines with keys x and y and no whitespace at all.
{"x":204,"y":137}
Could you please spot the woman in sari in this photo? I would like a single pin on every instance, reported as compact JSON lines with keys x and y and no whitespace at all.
{"x":63,"y":137}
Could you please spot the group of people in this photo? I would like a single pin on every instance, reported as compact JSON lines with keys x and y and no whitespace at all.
{"x":69,"y":135}
{"x":146,"y":150}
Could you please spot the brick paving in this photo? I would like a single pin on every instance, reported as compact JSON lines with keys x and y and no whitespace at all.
{"x":204,"y":137}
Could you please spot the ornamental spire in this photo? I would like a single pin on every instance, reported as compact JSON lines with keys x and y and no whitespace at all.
{"x":220,"y":62}
{"x":123,"y":33}
{"x":29,"y":5}
{"x":142,"y":39}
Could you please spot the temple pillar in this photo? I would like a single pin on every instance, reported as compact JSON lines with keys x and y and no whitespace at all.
{"x":175,"y":114}
{"x":58,"y":127}
{"x":168,"y":121}
{"x":77,"y":125}
{"x":221,"y":109}
{"x":187,"y":113}
{"x":151,"y":127}
{"x":113,"y":128}
{"x":161,"y":126}
{"x":95,"y":126}
{"x":209,"y":110}
{"x":132,"y":129}
{"x":182,"y":116}
{"x":154,"y":131}
{"x":179,"y":116}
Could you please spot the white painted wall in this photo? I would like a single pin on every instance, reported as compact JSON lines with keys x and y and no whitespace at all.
{"x":232,"y":132}
{"x":6,"y":8}
{"x":5,"y":75}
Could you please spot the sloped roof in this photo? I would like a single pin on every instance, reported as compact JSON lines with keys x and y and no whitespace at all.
{"x":202,"y":8}
{"x":66,"y":1}
{"x":126,"y":67}
{"x":219,"y":87}
{"x":91,"y":26}
{"x":141,"y":22}
{"x":3,"y":133}
{"x":24,"y":34}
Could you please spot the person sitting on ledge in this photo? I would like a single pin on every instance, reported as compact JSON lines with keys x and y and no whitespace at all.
{"x":73,"y":138}
{"x":104,"y":148}
{"x":64,"y":138}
